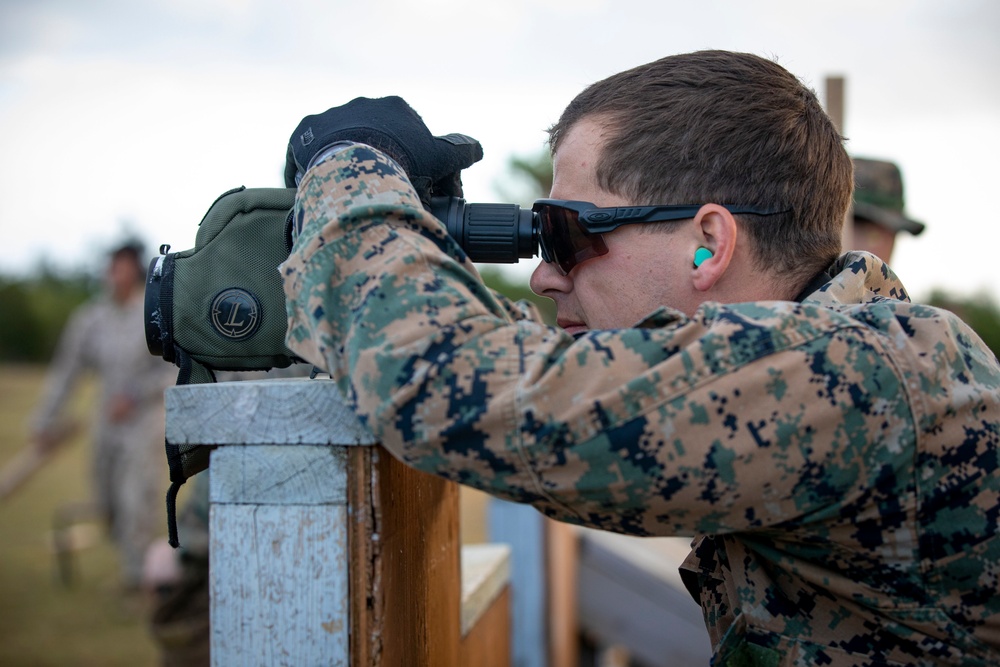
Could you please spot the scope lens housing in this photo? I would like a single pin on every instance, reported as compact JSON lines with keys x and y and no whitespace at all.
{"x":491,"y":233}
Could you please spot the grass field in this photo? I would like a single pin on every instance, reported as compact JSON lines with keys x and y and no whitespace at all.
{"x":42,"y":621}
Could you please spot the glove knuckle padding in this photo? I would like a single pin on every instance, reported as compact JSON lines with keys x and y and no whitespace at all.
{"x":390,"y":125}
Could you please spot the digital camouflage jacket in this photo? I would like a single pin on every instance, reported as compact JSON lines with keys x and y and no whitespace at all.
{"x":837,"y":457}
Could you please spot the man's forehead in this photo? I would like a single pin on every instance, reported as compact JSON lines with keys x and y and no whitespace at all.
{"x":575,"y":164}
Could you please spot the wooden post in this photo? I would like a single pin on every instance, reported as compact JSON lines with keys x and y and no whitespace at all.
{"x":835,"y":101}
{"x":835,"y":86}
{"x":563,"y":559}
{"x":324,"y":548}
{"x":523,"y":528}
{"x":545,"y":630}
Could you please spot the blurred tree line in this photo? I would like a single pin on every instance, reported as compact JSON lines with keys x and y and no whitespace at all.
{"x":34,"y":309}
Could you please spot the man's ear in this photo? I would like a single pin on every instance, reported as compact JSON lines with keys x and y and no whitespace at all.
{"x":717,"y":232}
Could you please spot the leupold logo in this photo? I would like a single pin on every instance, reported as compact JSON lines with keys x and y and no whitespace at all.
{"x":235,"y":313}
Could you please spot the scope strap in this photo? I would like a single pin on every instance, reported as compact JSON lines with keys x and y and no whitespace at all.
{"x":191,"y":372}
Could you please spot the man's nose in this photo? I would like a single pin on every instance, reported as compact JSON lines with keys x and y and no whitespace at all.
{"x":546,"y":280}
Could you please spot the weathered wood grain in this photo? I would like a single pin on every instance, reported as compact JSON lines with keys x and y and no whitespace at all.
{"x":419,"y":565}
{"x":279,"y":585}
{"x":280,"y":475}
{"x":327,"y":552}
{"x":294,"y":411}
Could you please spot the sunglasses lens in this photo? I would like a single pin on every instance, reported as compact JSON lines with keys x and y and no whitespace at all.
{"x":564,"y":241}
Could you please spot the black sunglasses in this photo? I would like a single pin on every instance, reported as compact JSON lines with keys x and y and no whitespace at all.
{"x":570,"y":231}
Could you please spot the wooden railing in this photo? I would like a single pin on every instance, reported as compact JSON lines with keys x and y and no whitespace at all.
{"x":325,"y":549}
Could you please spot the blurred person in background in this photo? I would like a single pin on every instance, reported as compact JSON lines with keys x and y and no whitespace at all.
{"x":878,"y":211}
{"x":106,"y":337}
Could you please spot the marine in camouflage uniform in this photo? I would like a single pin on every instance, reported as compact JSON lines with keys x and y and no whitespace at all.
{"x":835,"y":456}
{"x":878,"y":212}
{"x":106,"y":338}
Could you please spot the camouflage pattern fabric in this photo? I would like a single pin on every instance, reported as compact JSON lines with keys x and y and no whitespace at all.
{"x":836,"y":458}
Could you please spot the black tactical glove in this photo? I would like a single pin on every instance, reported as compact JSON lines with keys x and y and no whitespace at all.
{"x":433,"y":164}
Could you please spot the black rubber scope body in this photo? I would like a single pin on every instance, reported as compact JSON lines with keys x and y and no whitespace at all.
{"x":491,"y":233}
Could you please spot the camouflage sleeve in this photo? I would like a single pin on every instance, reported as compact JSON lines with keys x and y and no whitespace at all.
{"x":518,"y":310}
{"x":739,"y":417}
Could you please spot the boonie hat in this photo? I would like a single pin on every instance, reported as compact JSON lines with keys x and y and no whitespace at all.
{"x":878,"y":195}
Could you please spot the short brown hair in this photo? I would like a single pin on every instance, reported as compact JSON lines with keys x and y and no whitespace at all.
{"x":725,"y":128}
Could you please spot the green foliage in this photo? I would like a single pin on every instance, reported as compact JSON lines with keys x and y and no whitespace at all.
{"x":20,"y":335}
{"x":529,"y":178}
{"x":34,"y":310}
{"x":537,"y":169}
{"x":980,"y":312}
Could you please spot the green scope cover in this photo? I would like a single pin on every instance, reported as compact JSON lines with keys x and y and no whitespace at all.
{"x":220,"y":305}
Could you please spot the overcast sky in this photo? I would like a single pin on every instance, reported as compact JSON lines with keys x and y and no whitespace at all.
{"x":122,"y":116}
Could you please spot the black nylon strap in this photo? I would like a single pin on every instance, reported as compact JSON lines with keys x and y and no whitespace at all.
{"x":172,"y":538}
{"x":191,"y":372}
